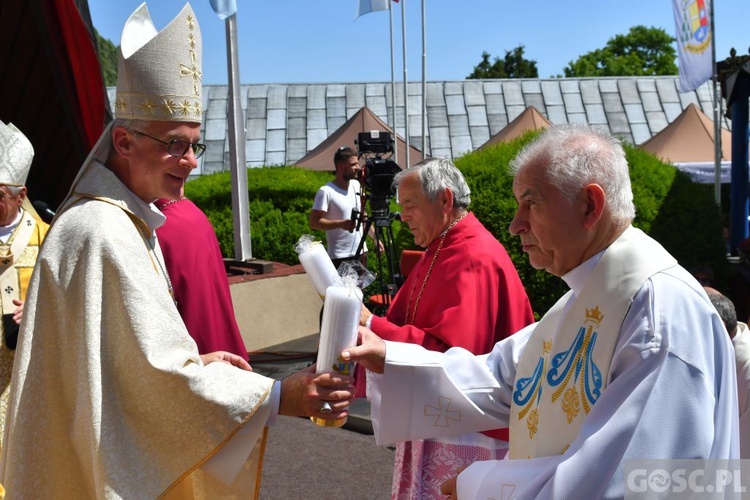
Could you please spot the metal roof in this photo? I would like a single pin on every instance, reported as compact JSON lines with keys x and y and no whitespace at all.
{"x":286,"y":121}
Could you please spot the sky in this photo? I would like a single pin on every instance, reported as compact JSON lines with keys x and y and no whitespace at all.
{"x":306,"y":41}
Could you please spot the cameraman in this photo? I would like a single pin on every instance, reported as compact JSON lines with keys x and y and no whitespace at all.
{"x":334,"y":207}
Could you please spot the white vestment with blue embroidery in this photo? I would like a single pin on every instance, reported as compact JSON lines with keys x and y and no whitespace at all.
{"x":670,"y":392}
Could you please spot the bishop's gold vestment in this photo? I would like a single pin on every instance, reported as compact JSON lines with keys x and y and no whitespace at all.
{"x":109,"y":397}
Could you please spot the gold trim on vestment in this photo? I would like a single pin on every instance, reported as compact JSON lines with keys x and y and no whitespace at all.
{"x":224,"y":442}
{"x":10,"y":260}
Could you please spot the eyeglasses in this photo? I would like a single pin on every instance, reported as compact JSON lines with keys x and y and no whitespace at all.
{"x":178,"y":148}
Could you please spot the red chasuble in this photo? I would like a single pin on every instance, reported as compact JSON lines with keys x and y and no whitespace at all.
{"x":472,"y":298}
{"x":199,"y":279}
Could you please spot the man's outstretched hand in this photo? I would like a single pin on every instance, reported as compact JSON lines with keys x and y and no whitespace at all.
{"x":370,"y":353}
{"x":304,"y":394}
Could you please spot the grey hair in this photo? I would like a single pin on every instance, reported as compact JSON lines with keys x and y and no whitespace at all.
{"x":436,"y":174}
{"x":575,"y":155}
{"x":127,"y":124}
{"x":130,"y":125}
{"x":13,"y":190}
{"x":726,"y":310}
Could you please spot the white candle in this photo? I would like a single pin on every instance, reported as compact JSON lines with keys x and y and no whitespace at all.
{"x":337,"y":332}
{"x":318,"y":267}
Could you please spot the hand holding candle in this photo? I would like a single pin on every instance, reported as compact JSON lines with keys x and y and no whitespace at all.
{"x":337,"y":332}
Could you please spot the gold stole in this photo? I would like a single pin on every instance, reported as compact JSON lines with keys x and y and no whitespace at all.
{"x":10,"y":253}
{"x":565,"y":366}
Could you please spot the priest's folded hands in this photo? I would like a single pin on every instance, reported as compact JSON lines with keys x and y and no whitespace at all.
{"x":324,"y":395}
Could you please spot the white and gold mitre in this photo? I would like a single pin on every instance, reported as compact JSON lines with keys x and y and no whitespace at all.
{"x":16,"y":153}
{"x":159,"y":74}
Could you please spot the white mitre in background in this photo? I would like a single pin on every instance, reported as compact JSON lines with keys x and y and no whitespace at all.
{"x":16,"y":154}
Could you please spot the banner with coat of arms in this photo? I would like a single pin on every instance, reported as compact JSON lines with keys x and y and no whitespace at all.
{"x":694,"y":42}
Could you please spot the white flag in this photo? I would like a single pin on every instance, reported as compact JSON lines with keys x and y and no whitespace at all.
{"x":694,"y":42}
{"x":367,"y":6}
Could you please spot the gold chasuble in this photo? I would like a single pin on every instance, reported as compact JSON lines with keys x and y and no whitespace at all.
{"x":17,"y":259}
{"x":109,"y":397}
{"x":565,"y":367}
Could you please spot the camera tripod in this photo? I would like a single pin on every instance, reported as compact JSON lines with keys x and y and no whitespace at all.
{"x":381,"y":221}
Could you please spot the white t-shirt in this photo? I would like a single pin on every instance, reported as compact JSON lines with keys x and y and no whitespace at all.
{"x":338,"y":203}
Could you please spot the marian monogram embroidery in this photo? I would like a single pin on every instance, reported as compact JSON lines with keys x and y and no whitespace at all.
{"x":577,"y":363}
{"x":572,"y":374}
{"x":528,"y":392}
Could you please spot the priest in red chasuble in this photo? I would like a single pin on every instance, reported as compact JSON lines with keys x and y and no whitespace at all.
{"x":464,"y":292}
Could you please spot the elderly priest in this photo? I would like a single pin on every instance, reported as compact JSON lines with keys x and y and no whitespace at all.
{"x":21,"y":233}
{"x":632,"y":363}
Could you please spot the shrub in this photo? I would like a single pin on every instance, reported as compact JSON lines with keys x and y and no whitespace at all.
{"x":280,"y":199}
{"x":280,"y":202}
{"x":678,"y":213}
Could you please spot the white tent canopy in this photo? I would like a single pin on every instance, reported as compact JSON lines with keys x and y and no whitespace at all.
{"x":704,"y":171}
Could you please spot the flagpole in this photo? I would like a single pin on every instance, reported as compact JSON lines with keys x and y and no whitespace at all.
{"x":237,"y":163}
{"x":406,"y":93}
{"x":393,"y":87}
{"x":424,"y":81}
{"x":717,"y":114}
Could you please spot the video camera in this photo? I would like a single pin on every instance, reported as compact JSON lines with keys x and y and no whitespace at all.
{"x":378,"y":172}
{"x":377,"y":176}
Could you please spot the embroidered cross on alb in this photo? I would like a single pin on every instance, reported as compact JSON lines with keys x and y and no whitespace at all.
{"x":442,"y":413}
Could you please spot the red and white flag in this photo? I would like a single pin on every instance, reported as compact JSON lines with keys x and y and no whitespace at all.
{"x":694,"y":42}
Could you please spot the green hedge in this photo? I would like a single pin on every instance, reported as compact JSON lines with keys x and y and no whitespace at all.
{"x":280,"y":199}
{"x":678,"y":213}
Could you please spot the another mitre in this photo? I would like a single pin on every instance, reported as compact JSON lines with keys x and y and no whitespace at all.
{"x":16,"y":154}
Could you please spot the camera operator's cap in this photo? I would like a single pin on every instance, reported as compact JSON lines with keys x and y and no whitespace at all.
{"x":16,"y":154}
{"x":159,"y":73}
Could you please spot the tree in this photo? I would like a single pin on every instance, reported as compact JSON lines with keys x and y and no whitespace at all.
{"x":108,"y":59}
{"x":514,"y":65}
{"x":642,"y":52}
